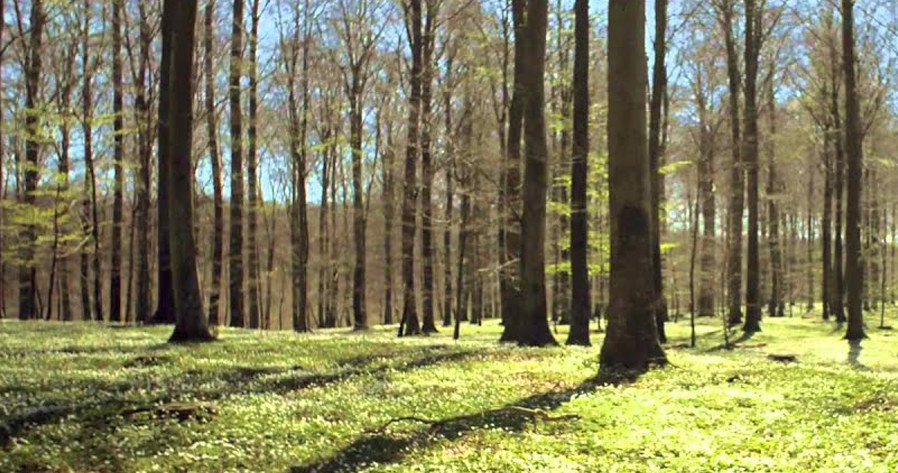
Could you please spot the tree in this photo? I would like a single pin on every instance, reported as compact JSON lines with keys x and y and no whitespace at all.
{"x":409,"y":324}
{"x":534,"y":328}
{"x":165,"y":309}
{"x":750,"y":158}
{"x":656,"y":151}
{"x":252,"y":161}
{"x":143,"y":117}
{"x":235,"y":258}
{"x":510,"y":233}
{"x":215,"y":158}
{"x":854,"y":273}
{"x":580,"y":300}
{"x":726,"y":10}
{"x":27,"y":272}
{"x":427,"y":76}
{"x":190,"y":320}
{"x":632,"y":334}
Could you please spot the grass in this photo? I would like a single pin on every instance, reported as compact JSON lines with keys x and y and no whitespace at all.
{"x":84,"y":398}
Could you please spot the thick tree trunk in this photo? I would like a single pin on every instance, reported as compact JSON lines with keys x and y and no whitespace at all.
{"x":534,"y":328}
{"x":252,"y":178}
{"x":218,"y":199}
{"x":854,"y":274}
{"x":118,"y":201}
{"x":632,"y":338}
{"x":659,"y":87}
{"x":191,"y":323}
{"x":838,"y":299}
{"x":737,"y":172}
{"x":750,"y":158}
{"x":409,"y":324}
{"x":165,"y":309}
{"x":2,"y":193}
{"x":142,"y":187}
{"x":427,"y":229}
{"x":580,"y":297}
{"x":27,"y":273}
{"x":299,"y":151}
{"x":509,"y":277}
{"x":235,"y":252}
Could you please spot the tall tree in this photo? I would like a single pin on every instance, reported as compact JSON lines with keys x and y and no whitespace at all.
{"x":580,"y":300}
{"x":750,"y":158}
{"x":427,"y":76}
{"x":252,"y":178}
{"x":143,"y":118}
{"x":409,"y":324}
{"x":165,"y":305}
{"x":191,"y":323}
{"x":854,"y":268}
{"x":656,"y":151}
{"x":235,"y":252}
{"x":727,"y":13}
{"x":776,"y":306}
{"x":118,"y":202}
{"x":27,"y":271}
{"x":215,"y":158}
{"x":510,"y":235}
{"x":534,"y":328}
{"x":631,"y":341}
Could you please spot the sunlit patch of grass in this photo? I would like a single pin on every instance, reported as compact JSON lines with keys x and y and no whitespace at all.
{"x":276,"y":401}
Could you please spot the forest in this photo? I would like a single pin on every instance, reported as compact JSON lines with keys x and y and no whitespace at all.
{"x":448,"y":235}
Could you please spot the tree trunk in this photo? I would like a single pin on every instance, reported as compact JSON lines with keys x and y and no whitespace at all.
{"x":389,"y":217}
{"x":118,"y":202}
{"x":191,"y":323}
{"x":828,"y":281}
{"x":737,"y":173}
{"x":428,"y":319}
{"x":324,"y":237}
{"x":750,"y":158}
{"x":659,"y":87}
{"x":27,"y":283}
{"x":142,"y":187}
{"x":218,"y":199}
{"x":580,"y":297}
{"x":511,"y":253}
{"x":409,"y":324}
{"x":359,"y":312}
{"x":450,"y":204}
{"x":252,"y":178}
{"x":534,"y":329}
{"x":299,"y":152}
{"x":165,"y":311}
{"x":632,"y":334}
{"x":235,"y":259}
{"x":854,"y":274}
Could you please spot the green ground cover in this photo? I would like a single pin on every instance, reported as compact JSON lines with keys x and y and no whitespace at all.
{"x":86,"y":398}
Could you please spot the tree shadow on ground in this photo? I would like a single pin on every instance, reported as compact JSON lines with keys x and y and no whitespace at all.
{"x":733,"y":344}
{"x":379,"y":447}
{"x":854,"y":355}
{"x":197,"y":386}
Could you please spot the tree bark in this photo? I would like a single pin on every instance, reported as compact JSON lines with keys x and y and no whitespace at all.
{"x":252,"y":178}
{"x":737,"y":172}
{"x":142,"y":187}
{"x":632,"y":334}
{"x":27,"y":272}
{"x":429,"y":37}
{"x":118,"y":202}
{"x":409,"y":324}
{"x":534,"y":329}
{"x":235,"y":259}
{"x":217,"y":191}
{"x":750,"y":158}
{"x":580,"y":297}
{"x":854,"y":274}
{"x":165,"y":311}
{"x":509,"y":277}
{"x":659,"y":87}
{"x":191,"y":323}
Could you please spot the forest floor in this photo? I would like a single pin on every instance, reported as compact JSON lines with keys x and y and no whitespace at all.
{"x":85,"y":398}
